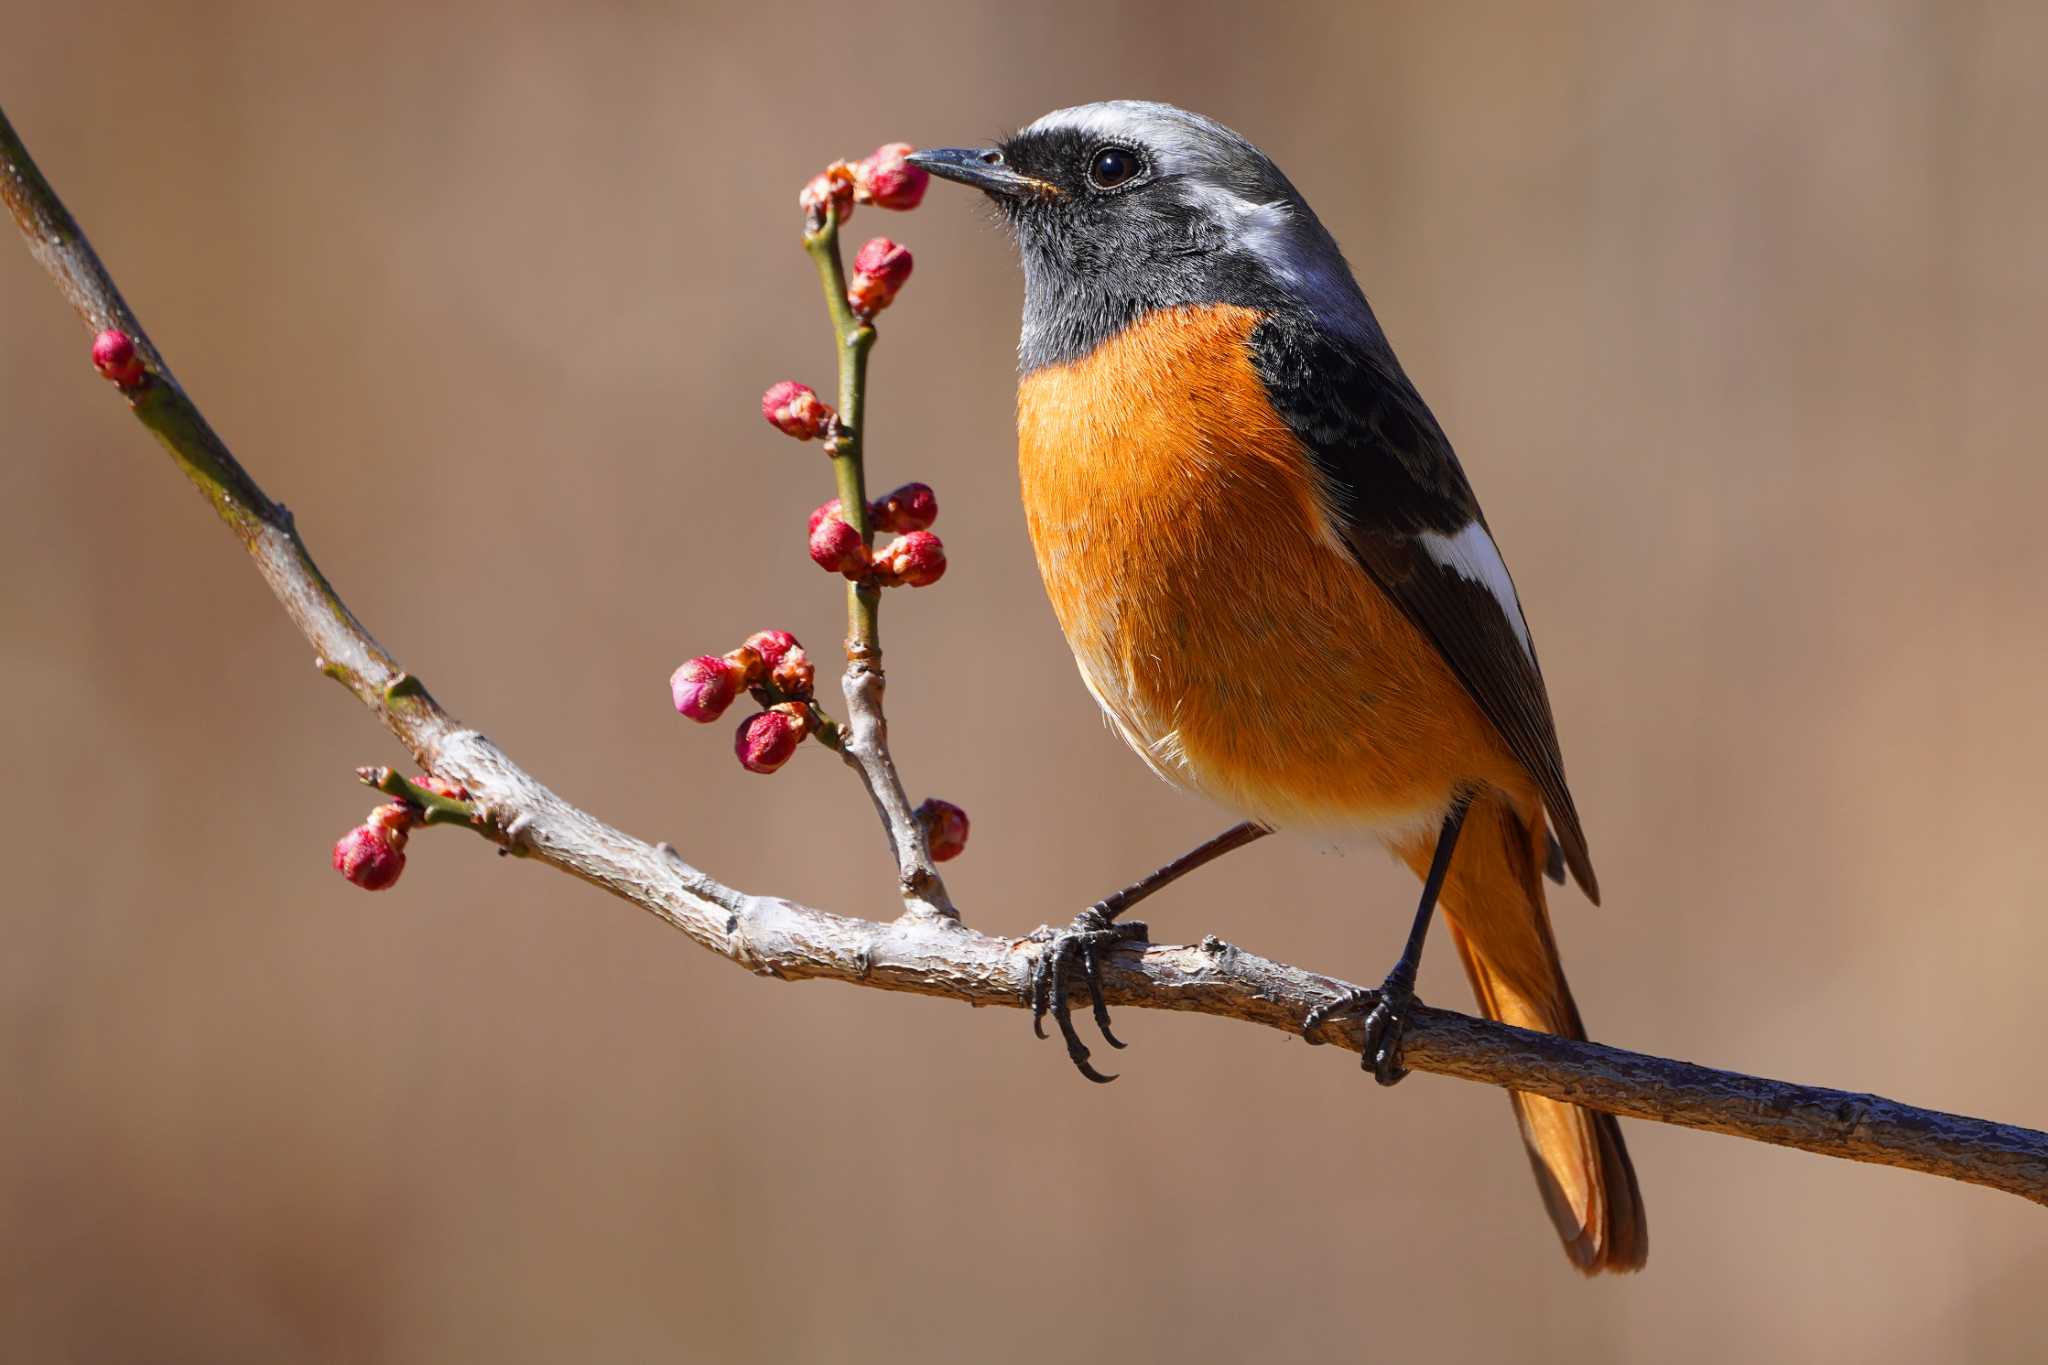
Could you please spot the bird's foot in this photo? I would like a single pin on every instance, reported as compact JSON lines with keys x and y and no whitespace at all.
{"x":1386,"y":1020}
{"x":1080,"y":945}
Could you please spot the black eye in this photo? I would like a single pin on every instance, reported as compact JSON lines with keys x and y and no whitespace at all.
{"x":1112,"y":166}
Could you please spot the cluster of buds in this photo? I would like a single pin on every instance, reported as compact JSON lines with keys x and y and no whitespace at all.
{"x":796,"y":410}
{"x":880,"y":269}
{"x":372,"y":855}
{"x":113,"y":355}
{"x":916,"y":558}
{"x":885,"y":179}
{"x":771,"y":666}
{"x":945,"y":828}
{"x":775,"y":669}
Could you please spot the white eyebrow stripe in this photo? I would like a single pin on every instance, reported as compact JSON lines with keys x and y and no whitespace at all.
{"x":1177,"y":140}
{"x":1472,"y":555}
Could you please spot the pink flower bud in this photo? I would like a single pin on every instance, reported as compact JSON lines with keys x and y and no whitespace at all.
{"x":705,"y":686}
{"x":832,"y":186}
{"x":794,"y":675}
{"x":945,"y":828}
{"x":370,"y":856}
{"x":771,"y":645}
{"x":837,"y":548}
{"x":912,"y":507}
{"x":879,"y":270}
{"x":113,"y":355}
{"x":796,"y":410}
{"x":767,"y":740}
{"x":824,"y":510}
{"x":886,"y":180}
{"x":917,"y":559}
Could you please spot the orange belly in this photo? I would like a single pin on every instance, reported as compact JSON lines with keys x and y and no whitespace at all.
{"x":1232,"y":639}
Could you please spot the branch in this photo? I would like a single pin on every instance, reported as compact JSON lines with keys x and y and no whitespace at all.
{"x":933,"y":954}
{"x":865,"y":742}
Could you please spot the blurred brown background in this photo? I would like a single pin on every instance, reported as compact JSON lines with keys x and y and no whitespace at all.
{"x":1737,"y":316}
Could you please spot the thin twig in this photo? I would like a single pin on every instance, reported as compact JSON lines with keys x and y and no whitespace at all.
{"x":934,"y":955}
{"x":864,"y":742}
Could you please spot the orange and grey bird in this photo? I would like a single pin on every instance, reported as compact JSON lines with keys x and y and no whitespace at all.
{"x":1273,"y":572}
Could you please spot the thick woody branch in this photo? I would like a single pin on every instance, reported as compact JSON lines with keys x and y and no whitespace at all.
{"x":932,"y":954}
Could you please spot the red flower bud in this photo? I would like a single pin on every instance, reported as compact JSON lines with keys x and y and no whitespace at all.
{"x":771,"y":645}
{"x":767,"y":740}
{"x":886,"y":180}
{"x":879,"y":270}
{"x":794,"y":675}
{"x":370,"y":856}
{"x":705,"y":686}
{"x":796,"y":410}
{"x":918,"y":559}
{"x":824,"y":510}
{"x":912,"y":507}
{"x":945,"y":828}
{"x":837,"y":548}
{"x":832,"y":186}
{"x":113,"y":355}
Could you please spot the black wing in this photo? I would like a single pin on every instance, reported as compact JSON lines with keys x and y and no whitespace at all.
{"x":1404,"y":507}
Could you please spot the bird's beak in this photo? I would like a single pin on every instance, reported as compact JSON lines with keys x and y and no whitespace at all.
{"x":984,"y":169}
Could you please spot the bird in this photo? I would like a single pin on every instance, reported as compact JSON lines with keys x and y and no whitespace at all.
{"x":1275,"y":577}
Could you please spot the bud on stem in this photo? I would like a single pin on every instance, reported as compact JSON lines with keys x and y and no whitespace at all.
{"x":796,"y":410}
{"x":879,"y":271}
{"x":835,"y":546}
{"x":886,"y":180}
{"x":113,"y":355}
{"x":916,"y":560}
{"x":372,"y":855}
{"x":945,"y":828}
{"x":766,"y":741}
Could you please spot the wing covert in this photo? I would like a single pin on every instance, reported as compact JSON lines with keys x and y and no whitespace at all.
{"x":1406,"y":511}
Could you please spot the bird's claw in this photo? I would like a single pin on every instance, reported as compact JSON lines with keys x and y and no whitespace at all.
{"x":1080,"y":943}
{"x":1386,"y":1021}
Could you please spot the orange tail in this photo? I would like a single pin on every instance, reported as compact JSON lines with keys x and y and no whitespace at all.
{"x":1494,"y":901}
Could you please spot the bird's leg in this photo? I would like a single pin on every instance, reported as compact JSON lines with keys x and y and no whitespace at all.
{"x":1387,"y":1008}
{"x":1094,"y":931}
{"x":1236,"y":837}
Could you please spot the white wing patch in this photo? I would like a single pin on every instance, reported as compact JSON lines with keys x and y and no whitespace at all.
{"x":1472,"y":555}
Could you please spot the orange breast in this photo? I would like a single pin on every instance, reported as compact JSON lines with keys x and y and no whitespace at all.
{"x":1234,"y":642}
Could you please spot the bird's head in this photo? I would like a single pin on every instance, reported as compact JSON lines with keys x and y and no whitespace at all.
{"x":1128,"y":206}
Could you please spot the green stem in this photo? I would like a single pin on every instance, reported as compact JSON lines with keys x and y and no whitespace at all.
{"x":855,"y":338}
{"x":435,"y":809}
{"x":863,"y":741}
